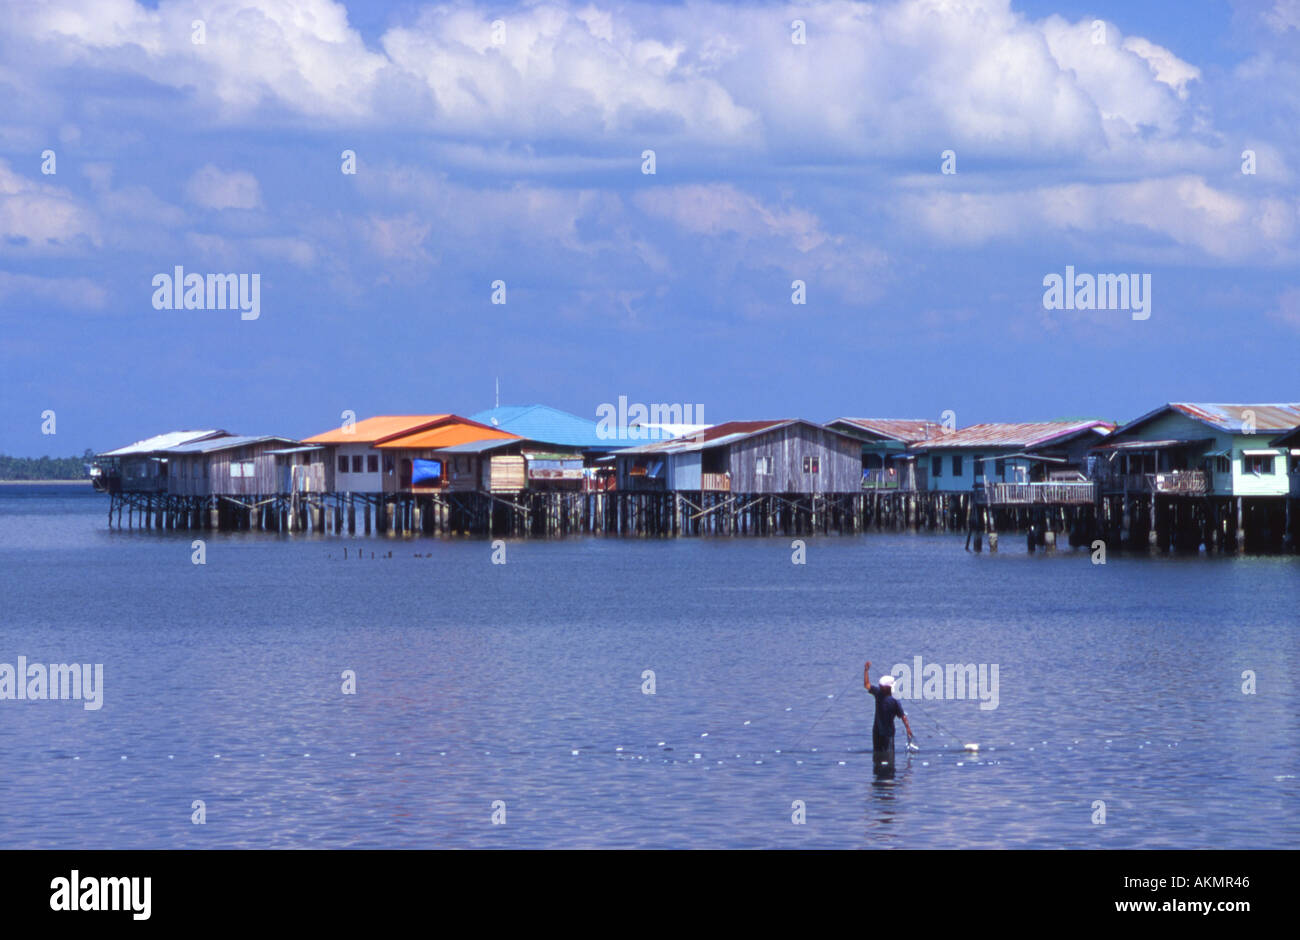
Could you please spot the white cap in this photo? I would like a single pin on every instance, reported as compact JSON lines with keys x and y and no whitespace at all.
{"x":887,"y":681}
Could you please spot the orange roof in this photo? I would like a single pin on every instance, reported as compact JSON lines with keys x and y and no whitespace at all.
{"x":376,"y":429}
{"x":456,"y":431}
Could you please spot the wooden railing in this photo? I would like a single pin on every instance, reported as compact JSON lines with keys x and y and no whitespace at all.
{"x":1171,"y":482}
{"x":1040,"y":493}
{"x":880,"y":480}
{"x":1179,"y":482}
{"x":902,"y":481}
{"x":716,"y":482}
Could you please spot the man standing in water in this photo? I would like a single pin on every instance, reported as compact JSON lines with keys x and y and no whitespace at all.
{"x":887,"y":708}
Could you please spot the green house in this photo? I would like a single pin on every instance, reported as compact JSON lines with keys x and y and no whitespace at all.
{"x":887,"y":463}
{"x":1201,"y":449}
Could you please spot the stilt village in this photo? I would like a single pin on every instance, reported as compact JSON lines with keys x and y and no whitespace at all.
{"x":1184,"y":477}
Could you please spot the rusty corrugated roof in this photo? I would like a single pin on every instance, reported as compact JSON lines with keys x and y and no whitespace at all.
{"x":1276,"y":416}
{"x":376,"y":429}
{"x":907,"y":430}
{"x":1024,"y":434}
{"x":722,"y":435}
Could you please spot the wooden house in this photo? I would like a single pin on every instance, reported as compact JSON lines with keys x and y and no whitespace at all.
{"x":542,"y":424}
{"x":887,"y":464}
{"x":1290,"y":442}
{"x":353,"y":461}
{"x":142,"y":467}
{"x":989,"y":456}
{"x":1198,"y":449}
{"x":448,"y":457}
{"x":237,"y":465}
{"x":751,"y":457}
{"x":557,"y":435}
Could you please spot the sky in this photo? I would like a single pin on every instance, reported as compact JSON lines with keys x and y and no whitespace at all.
{"x":501,"y":154}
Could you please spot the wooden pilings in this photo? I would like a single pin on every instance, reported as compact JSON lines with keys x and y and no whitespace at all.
{"x":1128,"y":521}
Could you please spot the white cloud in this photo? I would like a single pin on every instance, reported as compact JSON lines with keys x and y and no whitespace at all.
{"x":73,"y":292}
{"x":719,"y":208}
{"x":1283,"y":16}
{"x":213,"y":188}
{"x":40,"y":217}
{"x":1184,"y":210}
{"x":872,"y":81}
{"x":1287,"y":308}
{"x":398,"y":238}
{"x":1167,"y":67}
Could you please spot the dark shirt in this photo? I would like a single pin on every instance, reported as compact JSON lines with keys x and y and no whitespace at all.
{"x":887,"y":709}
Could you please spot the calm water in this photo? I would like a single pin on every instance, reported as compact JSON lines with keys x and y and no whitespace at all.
{"x":478,"y":682}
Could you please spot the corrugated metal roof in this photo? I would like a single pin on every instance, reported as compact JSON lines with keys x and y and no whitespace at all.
{"x":722,"y":435}
{"x":1277,"y":416}
{"x":376,"y":429}
{"x":1024,"y":434}
{"x":226,"y":443}
{"x":661,"y":431}
{"x":1153,"y":445}
{"x":456,"y":431}
{"x":305,"y":449}
{"x":162,"y":442}
{"x":478,"y":447}
{"x":547,"y":425}
{"x":907,"y":430}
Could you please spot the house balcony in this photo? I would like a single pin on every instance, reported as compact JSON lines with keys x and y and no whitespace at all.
{"x":1040,"y":494}
{"x":880,"y":480}
{"x":1164,"y":483}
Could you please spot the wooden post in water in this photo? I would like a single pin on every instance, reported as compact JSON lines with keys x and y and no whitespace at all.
{"x":1241,"y":524}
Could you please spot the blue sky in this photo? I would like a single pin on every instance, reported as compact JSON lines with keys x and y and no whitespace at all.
{"x":520,"y":160}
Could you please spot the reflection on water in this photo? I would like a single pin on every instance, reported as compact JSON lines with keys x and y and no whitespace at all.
{"x":524,"y":683}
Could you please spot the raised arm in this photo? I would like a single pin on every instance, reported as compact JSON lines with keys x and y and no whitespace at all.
{"x":866,"y":675}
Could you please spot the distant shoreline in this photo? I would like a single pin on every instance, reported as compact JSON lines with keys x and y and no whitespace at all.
{"x":43,"y":482}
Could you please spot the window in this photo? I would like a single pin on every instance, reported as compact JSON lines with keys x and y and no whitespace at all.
{"x":372,"y":463}
{"x":979,"y":466}
{"x":763,"y":466}
{"x":343,"y":464}
{"x":1000,"y":468}
{"x":241,"y":468}
{"x":936,"y":466}
{"x":1222,"y":465}
{"x":388,"y":464}
{"x":356,"y":464}
{"x":811,"y":465}
{"x":1257,"y":464}
{"x":956,"y":465}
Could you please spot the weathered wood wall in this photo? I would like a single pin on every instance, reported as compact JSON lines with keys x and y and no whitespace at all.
{"x":839,"y":458}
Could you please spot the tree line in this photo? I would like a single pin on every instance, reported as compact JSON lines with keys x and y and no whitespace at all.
{"x":45,"y":468}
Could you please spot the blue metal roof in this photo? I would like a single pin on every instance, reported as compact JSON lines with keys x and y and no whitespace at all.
{"x":545,"y":425}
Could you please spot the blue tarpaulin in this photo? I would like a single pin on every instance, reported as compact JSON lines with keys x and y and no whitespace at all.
{"x":422,"y":471}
